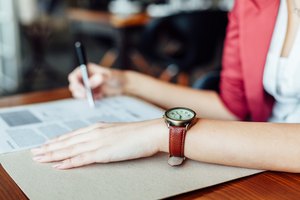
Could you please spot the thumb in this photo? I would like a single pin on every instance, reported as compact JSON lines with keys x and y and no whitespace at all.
{"x":96,"y":80}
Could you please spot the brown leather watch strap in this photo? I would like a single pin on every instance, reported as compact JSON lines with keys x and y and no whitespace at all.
{"x":176,"y":140}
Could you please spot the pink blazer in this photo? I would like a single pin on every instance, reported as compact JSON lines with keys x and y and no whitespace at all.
{"x":249,"y":33}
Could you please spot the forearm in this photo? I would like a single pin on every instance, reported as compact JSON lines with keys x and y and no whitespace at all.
{"x":206,"y":103}
{"x":244,"y":144}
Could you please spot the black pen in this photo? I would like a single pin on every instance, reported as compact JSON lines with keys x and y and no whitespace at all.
{"x":80,"y":52}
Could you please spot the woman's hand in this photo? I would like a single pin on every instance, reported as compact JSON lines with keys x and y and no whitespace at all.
{"x":103,"y":143}
{"x":103,"y":81}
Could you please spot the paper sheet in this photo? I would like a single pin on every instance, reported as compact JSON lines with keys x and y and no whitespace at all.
{"x":28,"y":126}
{"x":150,"y":178}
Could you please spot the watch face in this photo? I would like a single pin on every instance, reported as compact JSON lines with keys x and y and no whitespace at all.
{"x":180,"y":114}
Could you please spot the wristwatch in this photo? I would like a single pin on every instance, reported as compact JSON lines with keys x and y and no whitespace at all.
{"x":178,"y":120}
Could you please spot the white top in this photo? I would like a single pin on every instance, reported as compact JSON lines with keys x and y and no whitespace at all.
{"x":282,"y":74}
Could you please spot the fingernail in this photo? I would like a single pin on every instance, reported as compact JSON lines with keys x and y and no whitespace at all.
{"x":37,"y":158}
{"x":58,"y":166}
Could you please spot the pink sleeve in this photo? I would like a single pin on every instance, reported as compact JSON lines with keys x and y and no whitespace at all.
{"x":232,"y":83}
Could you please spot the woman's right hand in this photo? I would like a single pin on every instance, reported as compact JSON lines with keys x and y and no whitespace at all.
{"x":103,"y":81}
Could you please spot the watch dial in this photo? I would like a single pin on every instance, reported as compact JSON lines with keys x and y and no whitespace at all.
{"x":180,"y":114}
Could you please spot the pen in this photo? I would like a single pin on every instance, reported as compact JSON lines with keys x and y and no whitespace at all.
{"x":80,"y":52}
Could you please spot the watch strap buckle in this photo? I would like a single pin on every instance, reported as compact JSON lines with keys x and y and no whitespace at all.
{"x":175,"y":161}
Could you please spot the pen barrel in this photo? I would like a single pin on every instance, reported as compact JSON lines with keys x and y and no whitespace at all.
{"x":85,"y":76}
{"x":88,"y":90}
{"x":80,"y":51}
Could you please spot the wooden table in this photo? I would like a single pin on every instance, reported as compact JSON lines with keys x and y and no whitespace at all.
{"x":266,"y":185}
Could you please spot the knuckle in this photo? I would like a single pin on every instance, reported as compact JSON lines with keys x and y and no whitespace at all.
{"x":70,"y":77}
{"x":50,"y":155}
{"x":80,"y":159}
{"x":68,"y":161}
{"x":72,"y":161}
{"x":71,"y":150}
{"x":92,"y":65}
{"x":45,"y":148}
{"x":98,"y":139}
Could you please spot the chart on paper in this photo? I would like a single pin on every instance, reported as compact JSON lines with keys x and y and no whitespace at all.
{"x":29,"y":126}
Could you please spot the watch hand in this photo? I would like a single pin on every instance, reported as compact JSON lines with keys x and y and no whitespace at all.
{"x":180,"y":117}
{"x":178,"y":114}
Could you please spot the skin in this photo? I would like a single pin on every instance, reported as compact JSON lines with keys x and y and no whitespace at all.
{"x":215,"y":138}
{"x":292,"y":28}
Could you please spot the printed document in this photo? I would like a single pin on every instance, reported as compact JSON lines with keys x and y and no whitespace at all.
{"x":29,"y":126}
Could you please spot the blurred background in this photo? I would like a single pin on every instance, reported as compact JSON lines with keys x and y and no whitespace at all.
{"x":179,"y":41}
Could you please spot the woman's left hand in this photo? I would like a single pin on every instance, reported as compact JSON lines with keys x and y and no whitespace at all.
{"x":103,"y":143}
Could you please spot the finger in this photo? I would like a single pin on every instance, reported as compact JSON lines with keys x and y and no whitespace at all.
{"x":77,"y":87}
{"x":77,"y":161}
{"x":96,"y":80}
{"x":77,"y":90}
{"x":79,"y":131}
{"x":64,"y":144}
{"x":94,"y":68}
{"x":68,"y":152}
{"x":63,"y":141}
{"x":79,"y":95}
{"x":75,"y":76}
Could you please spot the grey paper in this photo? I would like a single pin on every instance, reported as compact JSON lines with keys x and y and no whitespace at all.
{"x":149,"y":178}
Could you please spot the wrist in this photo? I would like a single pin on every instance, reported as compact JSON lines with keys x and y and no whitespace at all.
{"x":160,"y":131}
{"x":115,"y":83}
{"x":129,"y":82}
{"x":164,"y":136}
{"x":137,"y":84}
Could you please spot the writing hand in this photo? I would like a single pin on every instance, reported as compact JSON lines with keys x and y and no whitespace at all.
{"x":103,"y":82}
